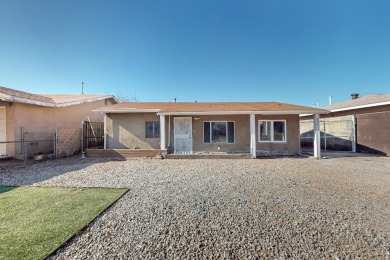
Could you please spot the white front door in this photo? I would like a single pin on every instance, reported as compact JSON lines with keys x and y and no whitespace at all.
{"x":3,"y":134}
{"x":183,"y":135}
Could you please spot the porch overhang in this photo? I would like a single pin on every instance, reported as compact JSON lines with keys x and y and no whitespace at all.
{"x":199,"y":113}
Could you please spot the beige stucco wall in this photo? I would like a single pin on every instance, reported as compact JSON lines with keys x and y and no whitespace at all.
{"x":128,"y":131}
{"x":292,"y":129}
{"x":242,"y":135}
{"x":39,"y":119}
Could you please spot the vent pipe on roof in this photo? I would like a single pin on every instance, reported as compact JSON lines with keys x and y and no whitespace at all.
{"x":82,"y":87}
{"x":330,"y":100}
{"x":355,"y":95}
{"x":174,"y":99}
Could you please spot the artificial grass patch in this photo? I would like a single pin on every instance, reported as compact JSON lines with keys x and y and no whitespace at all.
{"x":35,"y":221}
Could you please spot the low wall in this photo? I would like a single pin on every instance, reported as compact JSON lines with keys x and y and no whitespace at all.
{"x":123,"y":153}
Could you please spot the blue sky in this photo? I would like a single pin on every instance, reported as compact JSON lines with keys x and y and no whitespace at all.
{"x":288,"y":51}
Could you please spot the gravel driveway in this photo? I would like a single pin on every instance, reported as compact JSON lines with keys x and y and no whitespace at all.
{"x":265,"y":208}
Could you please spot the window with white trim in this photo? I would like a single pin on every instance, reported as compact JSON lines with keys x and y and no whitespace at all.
{"x":218,"y":132}
{"x":152,"y":129}
{"x":272,"y":130}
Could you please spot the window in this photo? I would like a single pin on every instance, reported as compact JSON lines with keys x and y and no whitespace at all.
{"x":272,"y":131}
{"x":218,"y":132}
{"x":152,"y":129}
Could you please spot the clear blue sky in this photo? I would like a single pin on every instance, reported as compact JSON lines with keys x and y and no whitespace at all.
{"x":289,"y":51}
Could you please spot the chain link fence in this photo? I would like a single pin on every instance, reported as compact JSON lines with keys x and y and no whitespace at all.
{"x":64,"y":142}
{"x":337,"y":134}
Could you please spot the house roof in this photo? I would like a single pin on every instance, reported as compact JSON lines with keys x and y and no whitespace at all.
{"x":60,"y":100}
{"x":371,"y":100}
{"x":188,"y":108}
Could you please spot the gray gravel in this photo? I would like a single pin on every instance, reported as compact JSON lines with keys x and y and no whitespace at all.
{"x":298,"y":208}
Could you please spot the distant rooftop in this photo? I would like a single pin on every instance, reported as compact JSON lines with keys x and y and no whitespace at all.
{"x":370,"y":100}
{"x":49,"y":100}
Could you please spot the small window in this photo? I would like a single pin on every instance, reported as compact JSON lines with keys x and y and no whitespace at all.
{"x":218,"y":132}
{"x":272,"y":131}
{"x":152,"y":129}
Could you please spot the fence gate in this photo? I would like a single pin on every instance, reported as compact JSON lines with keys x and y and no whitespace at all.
{"x":93,"y":135}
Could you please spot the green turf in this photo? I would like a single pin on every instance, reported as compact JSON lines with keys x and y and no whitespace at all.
{"x":35,"y":221}
{"x":5,"y":189}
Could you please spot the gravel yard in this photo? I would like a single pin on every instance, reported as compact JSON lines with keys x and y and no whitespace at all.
{"x":267,"y":208}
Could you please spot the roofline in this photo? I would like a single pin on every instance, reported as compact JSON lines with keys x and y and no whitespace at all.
{"x":47,"y":104}
{"x":283,"y":112}
{"x":128,"y":110}
{"x":256,"y":112}
{"x":8,"y":98}
{"x":361,"y":106}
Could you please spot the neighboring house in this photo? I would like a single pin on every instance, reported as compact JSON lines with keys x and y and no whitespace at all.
{"x":366,"y":119}
{"x":23,"y":113}
{"x":187,"y":128}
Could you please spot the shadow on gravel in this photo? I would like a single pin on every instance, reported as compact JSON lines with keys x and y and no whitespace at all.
{"x":18,"y":173}
{"x":340,"y":154}
{"x":302,"y":156}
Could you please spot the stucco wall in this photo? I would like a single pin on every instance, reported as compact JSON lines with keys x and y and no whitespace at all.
{"x":242,"y":135}
{"x":128,"y":131}
{"x":292,"y":129}
{"x":39,"y":119}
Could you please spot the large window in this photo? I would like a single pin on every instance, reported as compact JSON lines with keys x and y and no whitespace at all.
{"x":272,"y":131}
{"x":152,"y":129}
{"x":218,"y":132}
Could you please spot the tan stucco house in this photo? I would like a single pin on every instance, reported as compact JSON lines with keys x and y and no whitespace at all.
{"x":205,"y":127}
{"x":26,"y":112}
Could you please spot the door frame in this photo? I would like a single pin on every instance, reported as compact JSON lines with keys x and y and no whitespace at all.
{"x":190,"y":135}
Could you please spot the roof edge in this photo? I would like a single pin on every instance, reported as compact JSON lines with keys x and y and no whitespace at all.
{"x":361,"y":106}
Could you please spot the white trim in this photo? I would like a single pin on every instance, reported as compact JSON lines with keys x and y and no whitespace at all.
{"x":257,"y":112}
{"x":353,"y":133}
{"x":272,"y":130}
{"x":252,"y":132}
{"x":351,"y":108}
{"x":169,"y":131}
{"x":105,"y":131}
{"x":317,"y":136}
{"x":227,"y":131}
{"x":5,"y":97}
{"x":162,"y":132}
{"x":361,"y":106}
{"x":128,"y":110}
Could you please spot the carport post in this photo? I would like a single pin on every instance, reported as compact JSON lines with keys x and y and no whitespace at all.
{"x":105,"y":131}
{"x":162,"y":132}
{"x":317,"y":136}
{"x":253,"y":135}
